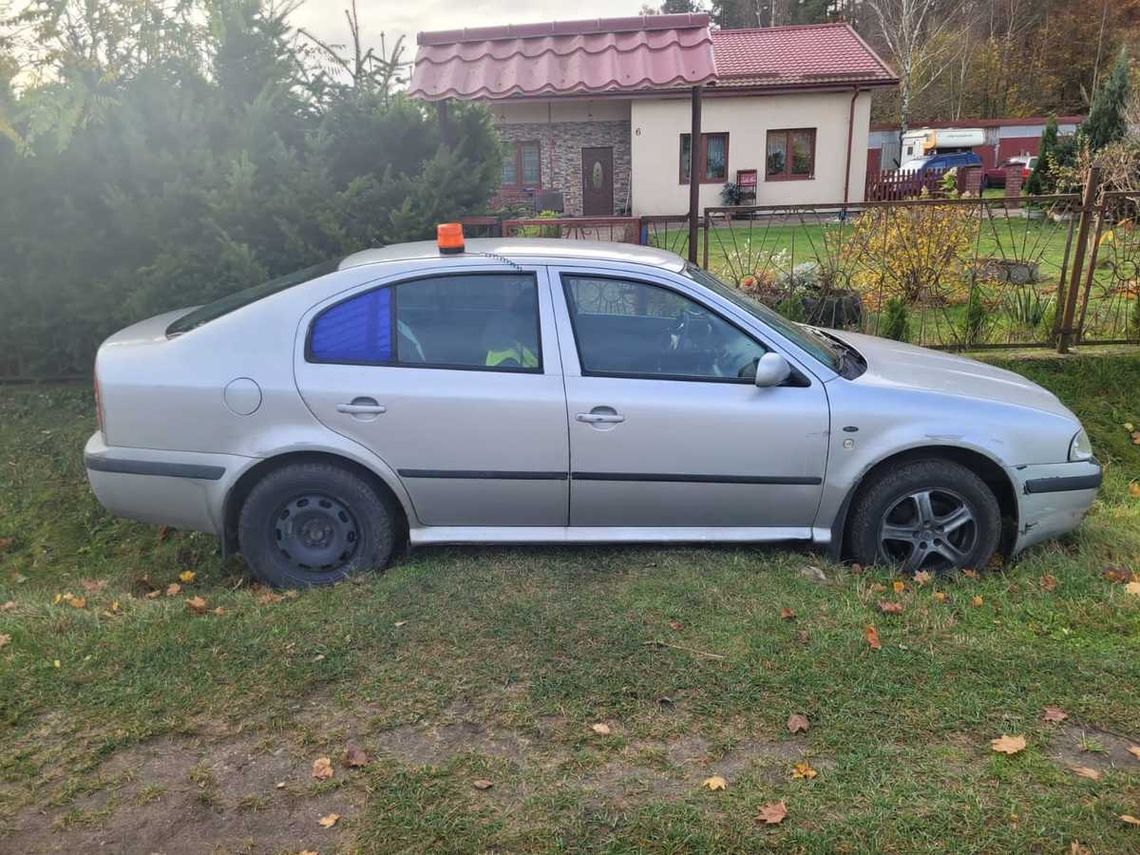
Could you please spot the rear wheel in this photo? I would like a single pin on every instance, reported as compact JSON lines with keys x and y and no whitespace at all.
{"x":314,"y":523}
{"x":932,"y":515}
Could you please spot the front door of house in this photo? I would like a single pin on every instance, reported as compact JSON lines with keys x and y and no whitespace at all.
{"x":598,"y":181}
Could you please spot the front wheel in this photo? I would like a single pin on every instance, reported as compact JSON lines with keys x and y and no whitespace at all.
{"x":932,"y":515}
{"x":314,"y":523}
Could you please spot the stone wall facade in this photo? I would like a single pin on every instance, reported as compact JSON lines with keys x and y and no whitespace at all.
{"x":560,"y":155}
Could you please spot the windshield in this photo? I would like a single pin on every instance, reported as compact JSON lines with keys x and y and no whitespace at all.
{"x":233,"y":302}
{"x":807,"y":339}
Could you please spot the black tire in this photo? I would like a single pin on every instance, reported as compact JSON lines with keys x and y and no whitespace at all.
{"x":938,"y":538}
{"x":314,"y":524}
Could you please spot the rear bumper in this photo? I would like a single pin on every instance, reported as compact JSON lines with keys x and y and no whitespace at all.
{"x":1053,"y":498}
{"x":181,"y":489}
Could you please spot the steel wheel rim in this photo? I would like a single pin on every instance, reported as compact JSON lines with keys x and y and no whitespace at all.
{"x":315,"y":532}
{"x":934,"y":530}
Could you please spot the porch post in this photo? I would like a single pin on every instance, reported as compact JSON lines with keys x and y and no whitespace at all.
{"x":694,"y":177}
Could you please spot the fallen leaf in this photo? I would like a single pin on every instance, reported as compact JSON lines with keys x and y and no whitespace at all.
{"x":322,"y":768}
{"x":889,"y":608}
{"x":1008,"y":744}
{"x":1116,"y":575}
{"x":878,"y":587}
{"x":1134,"y":489}
{"x":676,"y":625}
{"x":1128,"y":426}
{"x":1136,"y":437}
{"x":71,"y":600}
{"x":856,"y":568}
{"x":8,"y":606}
{"x":173,"y":589}
{"x":6,"y":543}
{"x":1086,"y":772}
{"x":600,"y":728}
{"x":1053,"y":714}
{"x":1131,"y":587}
{"x":1131,"y":820}
{"x":93,"y":586}
{"x":716,"y":782}
{"x":899,"y":586}
{"x":940,"y":596}
{"x":1075,"y":848}
{"x":970,"y":574}
{"x":772,"y":814}
{"x":802,"y":636}
{"x":787,"y":614}
{"x":308,"y":852}
{"x":5,"y":639}
{"x":330,"y":820}
{"x":354,"y":756}
{"x":186,"y":577}
{"x":976,"y":601}
{"x":55,"y":663}
{"x":482,"y":784}
{"x":798,"y":723}
{"x":803,"y":770}
{"x":1048,"y":582}
{"x":400,"y":623}
{"x":197,"y":605}
{"x":163,"y":533}
{"x":872,"y":636}
{"x":153,"y":595}
{"x":1134,"y":751}
{"x":923,"y":577}
{"x":219,"y":611}
{"x":280,"y":785}
{"x":265,"y":597}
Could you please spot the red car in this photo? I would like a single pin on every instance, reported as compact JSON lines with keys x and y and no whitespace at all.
{"x":995,"y":177}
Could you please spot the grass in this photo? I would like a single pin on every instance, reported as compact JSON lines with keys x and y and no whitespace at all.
{"x":159,"y":727}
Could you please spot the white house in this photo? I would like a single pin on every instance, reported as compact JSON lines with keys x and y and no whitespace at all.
{"x":597,"y":114}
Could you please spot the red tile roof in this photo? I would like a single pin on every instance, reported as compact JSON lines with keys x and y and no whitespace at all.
{"x":799,"y":56}
{"x":609,"y":55}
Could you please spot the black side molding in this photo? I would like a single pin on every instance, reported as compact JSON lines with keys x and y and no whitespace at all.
{"x":658,"y":477}
{"x":482,"y":475}
{"x":1064,"y":484}
{"x":154,"y":467}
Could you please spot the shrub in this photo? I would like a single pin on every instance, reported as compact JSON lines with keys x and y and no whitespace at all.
{"x":792,"y":308}
{"x":896,"y":320}
{"x":732,"y":194}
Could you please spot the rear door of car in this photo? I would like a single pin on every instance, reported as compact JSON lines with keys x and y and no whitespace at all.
{"x":453,"y":378}
{"x":663,"y":436}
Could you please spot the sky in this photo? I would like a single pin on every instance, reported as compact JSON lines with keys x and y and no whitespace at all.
{"x":325,"y":18}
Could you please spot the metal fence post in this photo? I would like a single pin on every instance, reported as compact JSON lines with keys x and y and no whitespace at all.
{"x":705,"y":251}
{"x":1088,"y":204}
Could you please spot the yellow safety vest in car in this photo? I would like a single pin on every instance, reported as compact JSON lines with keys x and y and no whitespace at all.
{"x":517,"y":353}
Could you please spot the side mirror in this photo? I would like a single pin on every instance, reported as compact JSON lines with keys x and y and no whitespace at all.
{"x":772,"y":370}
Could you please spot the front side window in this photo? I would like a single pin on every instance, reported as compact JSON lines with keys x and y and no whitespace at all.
{"x":522,"y":165}
{"x":712,"y":158}
{"x":791,"y":154}
{"x":483,"y":321}
{"x":635,"y":329}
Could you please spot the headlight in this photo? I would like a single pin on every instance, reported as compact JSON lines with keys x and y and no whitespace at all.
{"x":1080,"y":448}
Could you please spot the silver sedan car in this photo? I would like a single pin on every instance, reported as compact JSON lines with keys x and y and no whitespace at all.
{"x":561,"y":391}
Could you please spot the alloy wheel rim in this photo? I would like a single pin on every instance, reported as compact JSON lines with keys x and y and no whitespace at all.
{"x":934,"y":530}
{"x":315,"y":532}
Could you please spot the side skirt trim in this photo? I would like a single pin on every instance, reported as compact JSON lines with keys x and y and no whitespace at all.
{"x":426,"y":535}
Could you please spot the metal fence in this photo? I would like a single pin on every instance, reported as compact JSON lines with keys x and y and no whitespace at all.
{"x":956,"y":273}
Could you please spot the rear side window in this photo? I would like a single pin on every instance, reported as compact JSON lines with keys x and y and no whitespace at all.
{"x":486,"y":321}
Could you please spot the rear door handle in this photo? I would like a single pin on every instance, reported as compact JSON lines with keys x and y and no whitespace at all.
{"x":600,"y":418}
{"x":362,"y":407}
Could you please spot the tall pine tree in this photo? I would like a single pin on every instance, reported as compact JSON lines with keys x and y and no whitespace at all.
{"x":1106,"y":122}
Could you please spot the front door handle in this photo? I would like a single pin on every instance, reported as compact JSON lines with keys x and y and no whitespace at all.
{"x":603,"y":418}
{"x":362,"y":407}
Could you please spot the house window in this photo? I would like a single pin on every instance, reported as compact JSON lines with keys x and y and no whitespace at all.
{"x":712,"y":159}
{"x":521,"y":165}
{"x":791,"y":154}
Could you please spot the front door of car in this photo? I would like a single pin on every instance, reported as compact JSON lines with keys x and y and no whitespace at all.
{"x":454,"y":381}
{"x":667,"y":427}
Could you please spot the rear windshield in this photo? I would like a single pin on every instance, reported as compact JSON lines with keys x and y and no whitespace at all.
{"x":232,"y":302}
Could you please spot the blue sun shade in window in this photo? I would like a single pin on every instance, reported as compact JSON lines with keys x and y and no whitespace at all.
{"x":357,"y":330}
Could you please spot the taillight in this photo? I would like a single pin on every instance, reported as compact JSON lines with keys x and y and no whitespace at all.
{"x":98,"y":406}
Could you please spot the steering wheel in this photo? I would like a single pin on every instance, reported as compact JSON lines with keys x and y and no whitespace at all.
{"x":693,"y":335}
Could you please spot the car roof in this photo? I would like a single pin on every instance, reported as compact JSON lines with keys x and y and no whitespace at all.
{"x":523,"y":248}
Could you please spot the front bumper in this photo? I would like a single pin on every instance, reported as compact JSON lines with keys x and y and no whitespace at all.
{"x":181,"y":489}
{"x":1053,"y":498}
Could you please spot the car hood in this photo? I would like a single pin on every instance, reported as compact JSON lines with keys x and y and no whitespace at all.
{"x":892,"y":363}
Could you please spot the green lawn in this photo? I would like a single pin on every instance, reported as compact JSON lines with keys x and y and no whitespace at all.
{"x":132,"y":724}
